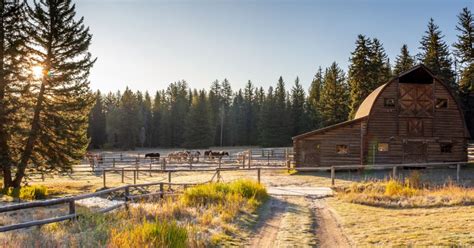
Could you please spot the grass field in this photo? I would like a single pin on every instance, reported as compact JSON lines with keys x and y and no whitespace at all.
{"x":375,"y":226}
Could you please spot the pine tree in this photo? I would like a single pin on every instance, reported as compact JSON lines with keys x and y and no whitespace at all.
{"x":435,"y":54}
{"x":314,"y":98}
{"x":129,"y":124}
{"x":282,"y":129}
{"x":266,"y":125}
{"x":298,"y":112}
{"x":58,"y":128}
{"x":112,"y":118}
{"x":334,"y":96}
{"x":13,"y":68}
{"x":464,"y":51}
{"x":404,"y":61}
{"x":250,"y":115}
{"x":226,"y":94}
{"x":238,"y":121}
{"x":360,"y":81}
{"x":147,"y":120}
{"x":178,"y":99}
{"x":97,"y":123}
{"x":156,"y":119}
{"x":380,"y":71}
{"x":198,"y":132}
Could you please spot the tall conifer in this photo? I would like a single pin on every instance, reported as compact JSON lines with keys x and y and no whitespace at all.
{"x":404,"y":61}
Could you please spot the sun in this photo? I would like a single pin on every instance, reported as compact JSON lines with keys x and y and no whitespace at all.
{"x":37,"y":71}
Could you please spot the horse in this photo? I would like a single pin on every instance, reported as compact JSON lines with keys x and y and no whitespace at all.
{"x":152,"y":155}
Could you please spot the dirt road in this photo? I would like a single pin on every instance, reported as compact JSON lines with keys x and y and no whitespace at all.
{"x":297,"y":221}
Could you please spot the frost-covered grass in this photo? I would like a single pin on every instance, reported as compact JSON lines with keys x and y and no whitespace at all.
{"x":203,"y":216}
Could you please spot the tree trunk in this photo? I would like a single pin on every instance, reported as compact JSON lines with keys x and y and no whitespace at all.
{"x":5,"y":160}
{"x":30,"y":143}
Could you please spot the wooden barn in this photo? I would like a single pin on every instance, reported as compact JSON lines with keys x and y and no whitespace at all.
{"x":413,"y":118}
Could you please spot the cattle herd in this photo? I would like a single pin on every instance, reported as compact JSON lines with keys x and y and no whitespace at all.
{"x":189,"y":155}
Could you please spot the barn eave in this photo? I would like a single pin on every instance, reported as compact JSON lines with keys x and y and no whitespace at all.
{"x":325,"y":129}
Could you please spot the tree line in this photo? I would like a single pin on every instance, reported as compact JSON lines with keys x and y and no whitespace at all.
{"x":179,"y":116}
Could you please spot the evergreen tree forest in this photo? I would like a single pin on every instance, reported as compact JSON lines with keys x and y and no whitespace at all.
{"x":180,"y":116}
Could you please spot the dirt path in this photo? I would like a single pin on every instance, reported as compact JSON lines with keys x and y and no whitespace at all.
{"x":289,"y":221}
{"x":328,"y":230}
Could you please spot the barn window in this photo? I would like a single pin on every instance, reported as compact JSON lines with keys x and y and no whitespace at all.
{"x":342,"y":149}
{"x":383,"y":147}
{"x":441,"y":103}
{"x":389,"y":102}
{"x":446,"y":147}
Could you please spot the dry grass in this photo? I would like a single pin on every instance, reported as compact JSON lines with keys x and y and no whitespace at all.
{"x":374,"y":226}
{"x":411,"y":194}
{"x":184,"y":221}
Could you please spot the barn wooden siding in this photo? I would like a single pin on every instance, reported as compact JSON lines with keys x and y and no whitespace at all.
{"x":414,"y":128}
{"x":319,"y":149}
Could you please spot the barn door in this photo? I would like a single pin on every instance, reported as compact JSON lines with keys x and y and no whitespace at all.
{"x":312,"y":152}
{"x":414,"y":152}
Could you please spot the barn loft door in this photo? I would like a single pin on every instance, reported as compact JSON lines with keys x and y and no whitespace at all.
{"x":414,"y":152}
{"x":312,"y":152}
{"x":416,"y":100}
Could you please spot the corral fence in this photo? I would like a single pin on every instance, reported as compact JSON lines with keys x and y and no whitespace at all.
{"x":128,"y":197}
{"x":470,"y":152}
{"x":270,"y":157}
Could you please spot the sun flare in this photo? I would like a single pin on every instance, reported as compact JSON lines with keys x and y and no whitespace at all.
{"x":37,"y":71}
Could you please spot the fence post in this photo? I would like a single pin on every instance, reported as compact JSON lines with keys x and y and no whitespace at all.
{"x":268,"y":158}
{"x":458,"y":172}
{"x":121,"y":156}
{"x":258,"y":175}
{"x":288,"y":165}
{"x":150,"y":167}
{"x":127,"y":194}
{"x":161,"y":191}
{"x":113,"y":162}
{"x":103,"y":176}
{"x":42,"y":176}
{"x":250,"y":158}
{"x":164,"y":163}
{"x":243,"y":161}
{"x":72,"y":207}
{"x":218,"y":175}
{"x":134,"y":177}
{"x":138,"y":171}
{"x":123,"y":175}
{"x":333,"y":175}
{"x":191,"y":163}
{"x":220,"y":161}
{"x":394,"y":173}
{"x":169,"y":179}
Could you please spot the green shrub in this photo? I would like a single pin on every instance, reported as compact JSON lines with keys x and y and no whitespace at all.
{"x":27,"y":192}
{"x":151,"y":234}
{"x":249,"y":189}
{"x":214,"y":193}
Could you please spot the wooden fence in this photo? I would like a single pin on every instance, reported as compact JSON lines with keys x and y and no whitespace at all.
{"x":394,"y":168}
{"x":71,"y":201}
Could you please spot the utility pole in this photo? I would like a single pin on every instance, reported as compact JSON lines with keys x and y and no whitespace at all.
{"x":222,"y":124}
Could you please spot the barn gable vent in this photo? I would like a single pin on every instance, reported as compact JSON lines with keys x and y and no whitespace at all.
{"x":419,"y":75}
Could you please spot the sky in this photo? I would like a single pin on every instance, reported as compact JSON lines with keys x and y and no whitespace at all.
{"x":147,"y":44}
